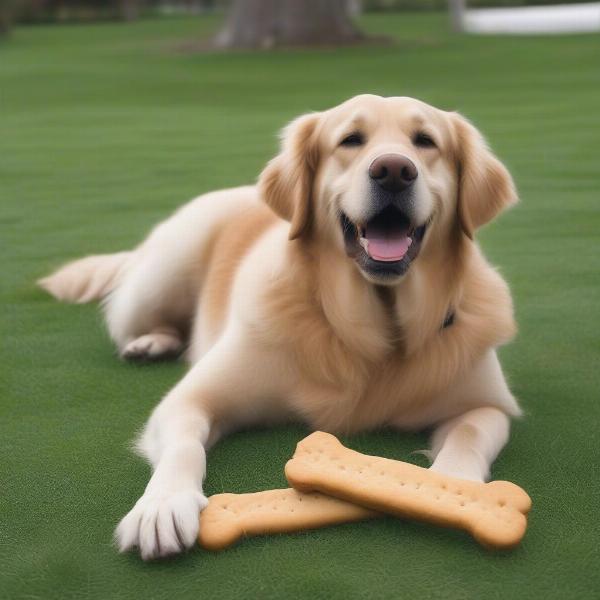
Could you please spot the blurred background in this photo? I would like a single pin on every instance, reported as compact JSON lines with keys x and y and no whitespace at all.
{"x":114,"y":113}
{"x":36,"y":11}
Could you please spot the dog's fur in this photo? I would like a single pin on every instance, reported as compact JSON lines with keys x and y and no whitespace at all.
{"x":283,"y":324}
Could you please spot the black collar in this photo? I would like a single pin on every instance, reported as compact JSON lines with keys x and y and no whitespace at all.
{"x":449,"y":320}
{"x":386,"y":295}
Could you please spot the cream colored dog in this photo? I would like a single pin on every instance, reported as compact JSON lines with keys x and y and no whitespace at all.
{"x":344,"y":290}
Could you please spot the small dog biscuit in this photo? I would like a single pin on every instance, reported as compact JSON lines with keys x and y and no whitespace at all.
{"x":493,"y":513}
{"x":230,"y":516}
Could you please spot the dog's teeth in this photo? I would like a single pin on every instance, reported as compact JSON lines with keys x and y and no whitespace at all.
{"x":364,"y":243}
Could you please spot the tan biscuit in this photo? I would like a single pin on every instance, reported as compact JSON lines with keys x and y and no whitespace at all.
{"x":230,"y":516}
{"x":494,"y":513}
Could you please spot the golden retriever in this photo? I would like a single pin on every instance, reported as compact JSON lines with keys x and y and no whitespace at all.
{"x":345,"y":290}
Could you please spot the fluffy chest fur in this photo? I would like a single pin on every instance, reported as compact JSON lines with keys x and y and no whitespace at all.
{"x":363,"y":358}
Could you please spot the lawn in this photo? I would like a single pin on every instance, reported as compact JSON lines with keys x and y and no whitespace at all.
{"x":105,"y":129}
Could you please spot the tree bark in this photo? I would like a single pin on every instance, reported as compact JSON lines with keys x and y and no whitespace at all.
{"x":269,"y":23}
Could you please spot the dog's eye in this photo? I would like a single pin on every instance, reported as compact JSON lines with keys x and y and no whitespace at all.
{"x":354,"y":139}
{"x":423,"y":140}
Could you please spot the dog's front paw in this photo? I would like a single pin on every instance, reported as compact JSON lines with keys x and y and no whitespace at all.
{"x":161,"y":523}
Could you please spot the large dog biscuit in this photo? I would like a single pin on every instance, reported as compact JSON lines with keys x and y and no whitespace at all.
{"x":494,"y":513}
{"x":230,"y":516}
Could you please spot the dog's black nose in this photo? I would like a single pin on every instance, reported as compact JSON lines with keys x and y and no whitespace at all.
{"x":393,"y":172}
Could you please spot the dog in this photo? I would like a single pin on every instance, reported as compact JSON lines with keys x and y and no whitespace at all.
{"x":344,"y":290}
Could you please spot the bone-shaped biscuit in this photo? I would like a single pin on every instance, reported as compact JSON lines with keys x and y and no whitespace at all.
{"x":493,"y":513}
{"x":230,"y":516}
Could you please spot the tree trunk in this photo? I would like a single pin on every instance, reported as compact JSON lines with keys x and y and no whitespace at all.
{"x":457,"y":11}
{"x":270,"y":23}
{"x":5,"y":17}
{"x":129,"y":10}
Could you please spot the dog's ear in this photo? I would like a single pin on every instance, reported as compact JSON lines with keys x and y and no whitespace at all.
{"x":485,"y":186}
{"x":286,"y":184}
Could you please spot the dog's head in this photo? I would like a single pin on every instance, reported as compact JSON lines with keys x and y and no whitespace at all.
{"x":383,"y":179}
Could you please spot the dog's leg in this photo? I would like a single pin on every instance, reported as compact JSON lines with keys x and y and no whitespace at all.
{"x":149,"y":314}
{"x":228,"y":388}
{"x":164,"y":520}
{"x":466,"y":446}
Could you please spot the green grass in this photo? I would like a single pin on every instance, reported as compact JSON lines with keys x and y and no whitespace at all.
{"x":105,"y":129}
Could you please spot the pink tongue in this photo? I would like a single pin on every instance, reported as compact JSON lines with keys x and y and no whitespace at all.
{"x":388,"y":248}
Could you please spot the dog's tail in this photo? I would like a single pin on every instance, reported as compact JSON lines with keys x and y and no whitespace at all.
{"x":86,"y":279}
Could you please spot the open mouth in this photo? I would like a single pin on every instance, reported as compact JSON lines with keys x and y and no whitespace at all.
{"x":386,"y":244}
